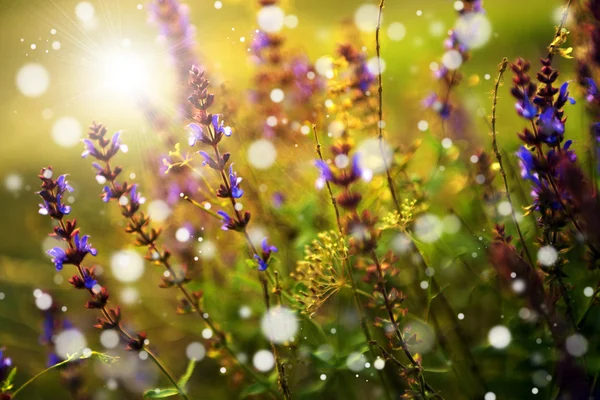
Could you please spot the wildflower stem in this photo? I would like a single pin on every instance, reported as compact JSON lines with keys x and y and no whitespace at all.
{"x":23,"y":386}
{"x":380,"y":122}
{"x":563,"y":21}
{"x":201,"y":207}
{"x":390,"y":310}
{"x":567,"y":211}
{"x":331,"y":196}
{"x":501,"y":70}
{"x":191,"y":299}
{"x":587,"y":310}
{"x":166,"y":373}
{"x":118,"y":326}
{"x":281,"y":377}
{"x":349,"y":269}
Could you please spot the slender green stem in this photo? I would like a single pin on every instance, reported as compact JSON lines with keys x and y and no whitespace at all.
{"x":390,"y":182}
{"x":501,"y":71}
{"x":350,"y":272}
{"x":23,"y":386}
{"x":167,"y":374}
{"x":404,"y":346}
{"x":263,"y":279}
{"x":191,"y":299}
{"x":115,"y":323}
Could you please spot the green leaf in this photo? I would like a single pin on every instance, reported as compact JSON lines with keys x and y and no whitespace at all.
{"x":437,"y":370}
{"x":188,"y":373}
{"x":160,"y":393}
{"x":8,"y":383}
{"x":252,"y":390}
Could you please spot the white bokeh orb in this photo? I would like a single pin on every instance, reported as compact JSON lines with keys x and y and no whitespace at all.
{"x":109,"y":338}
{"x":279,"y":324}
{"x":376,"y":65}
{"x":324,"y":65}
{"x":195,"y":351}
{"x":428,"y":228}
{"x":271,"y":19}
{"x":355,"y":361}
{"x":452,"y":59}
{"x":43,"y":301}
{"x":499,"y":337}
{"x":69,"y":341}
{"x":473,"y":30}
{"x":262,"y":154}
{"x":13,"y":182}
{"x":577,"y":345}
{"x":85,"y":11}
{"x":547,"y":255}
{"x":365,"y":18}
{"x":159,"y":210}
{"x":277,"y":95}
{"x":370,"y":155}
{"x":33,"y":80}
{"x":127,"y":265}
{"x":263,"y":360}
{"x":207,"y":250}
{"x":396,"y":31}
{"x":67,"y":132}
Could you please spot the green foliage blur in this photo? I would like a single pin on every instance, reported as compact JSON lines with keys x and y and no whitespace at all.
{"x":520,"y":29}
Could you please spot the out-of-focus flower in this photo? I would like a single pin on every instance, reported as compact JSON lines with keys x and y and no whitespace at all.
{"x":265,"y":256}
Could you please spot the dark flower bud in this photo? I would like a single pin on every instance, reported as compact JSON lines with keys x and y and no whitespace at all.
{"x":138,"y":343}
{"x":99,"y":300}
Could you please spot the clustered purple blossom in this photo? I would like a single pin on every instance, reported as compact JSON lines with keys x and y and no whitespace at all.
{"x":593,"y":101}
{"x":543,"y":108}
{"x":210,"y":130}
{"x":441,"y":104}
{"x":362,"y":79}
{"x":77,"y":246}
{"x":172,"y":18}
{"x":6,"y":368}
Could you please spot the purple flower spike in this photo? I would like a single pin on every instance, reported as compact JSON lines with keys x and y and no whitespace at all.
{"x":324,"y":169}
{"x":83,"y":247}
{"x":106,"y":194}
{"x":526,"y":108}
{"x":59,"y":257}
{"x":262,"y":264}
{"x":234,"y":183}
{"x":267,"y":248}
{"x":196,"y":133}
{"x":227,"y":220}
{"x":527,"y":164}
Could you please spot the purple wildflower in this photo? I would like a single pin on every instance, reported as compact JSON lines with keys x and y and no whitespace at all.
{"x":196,"y":133}
{"x":59,"y":257}
{"x":592,"y":90}
{"x":265,"y":257}
{"x":5,"y":366}
{"x":551,"y":127}
{"x":563,"y":95}
{"x":227,"y":220}
{"x":234,"y":184}
{"x":107,"y":194}
{"x":207,"y":158}
{"x":525,"y":108}
{"x":88,"y":280}
{"x":528,"y":166}
{"x":83,"y":247}
{"x":89,"y":149}
{"x":218,"y":125}
{"x":325,"y":170}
